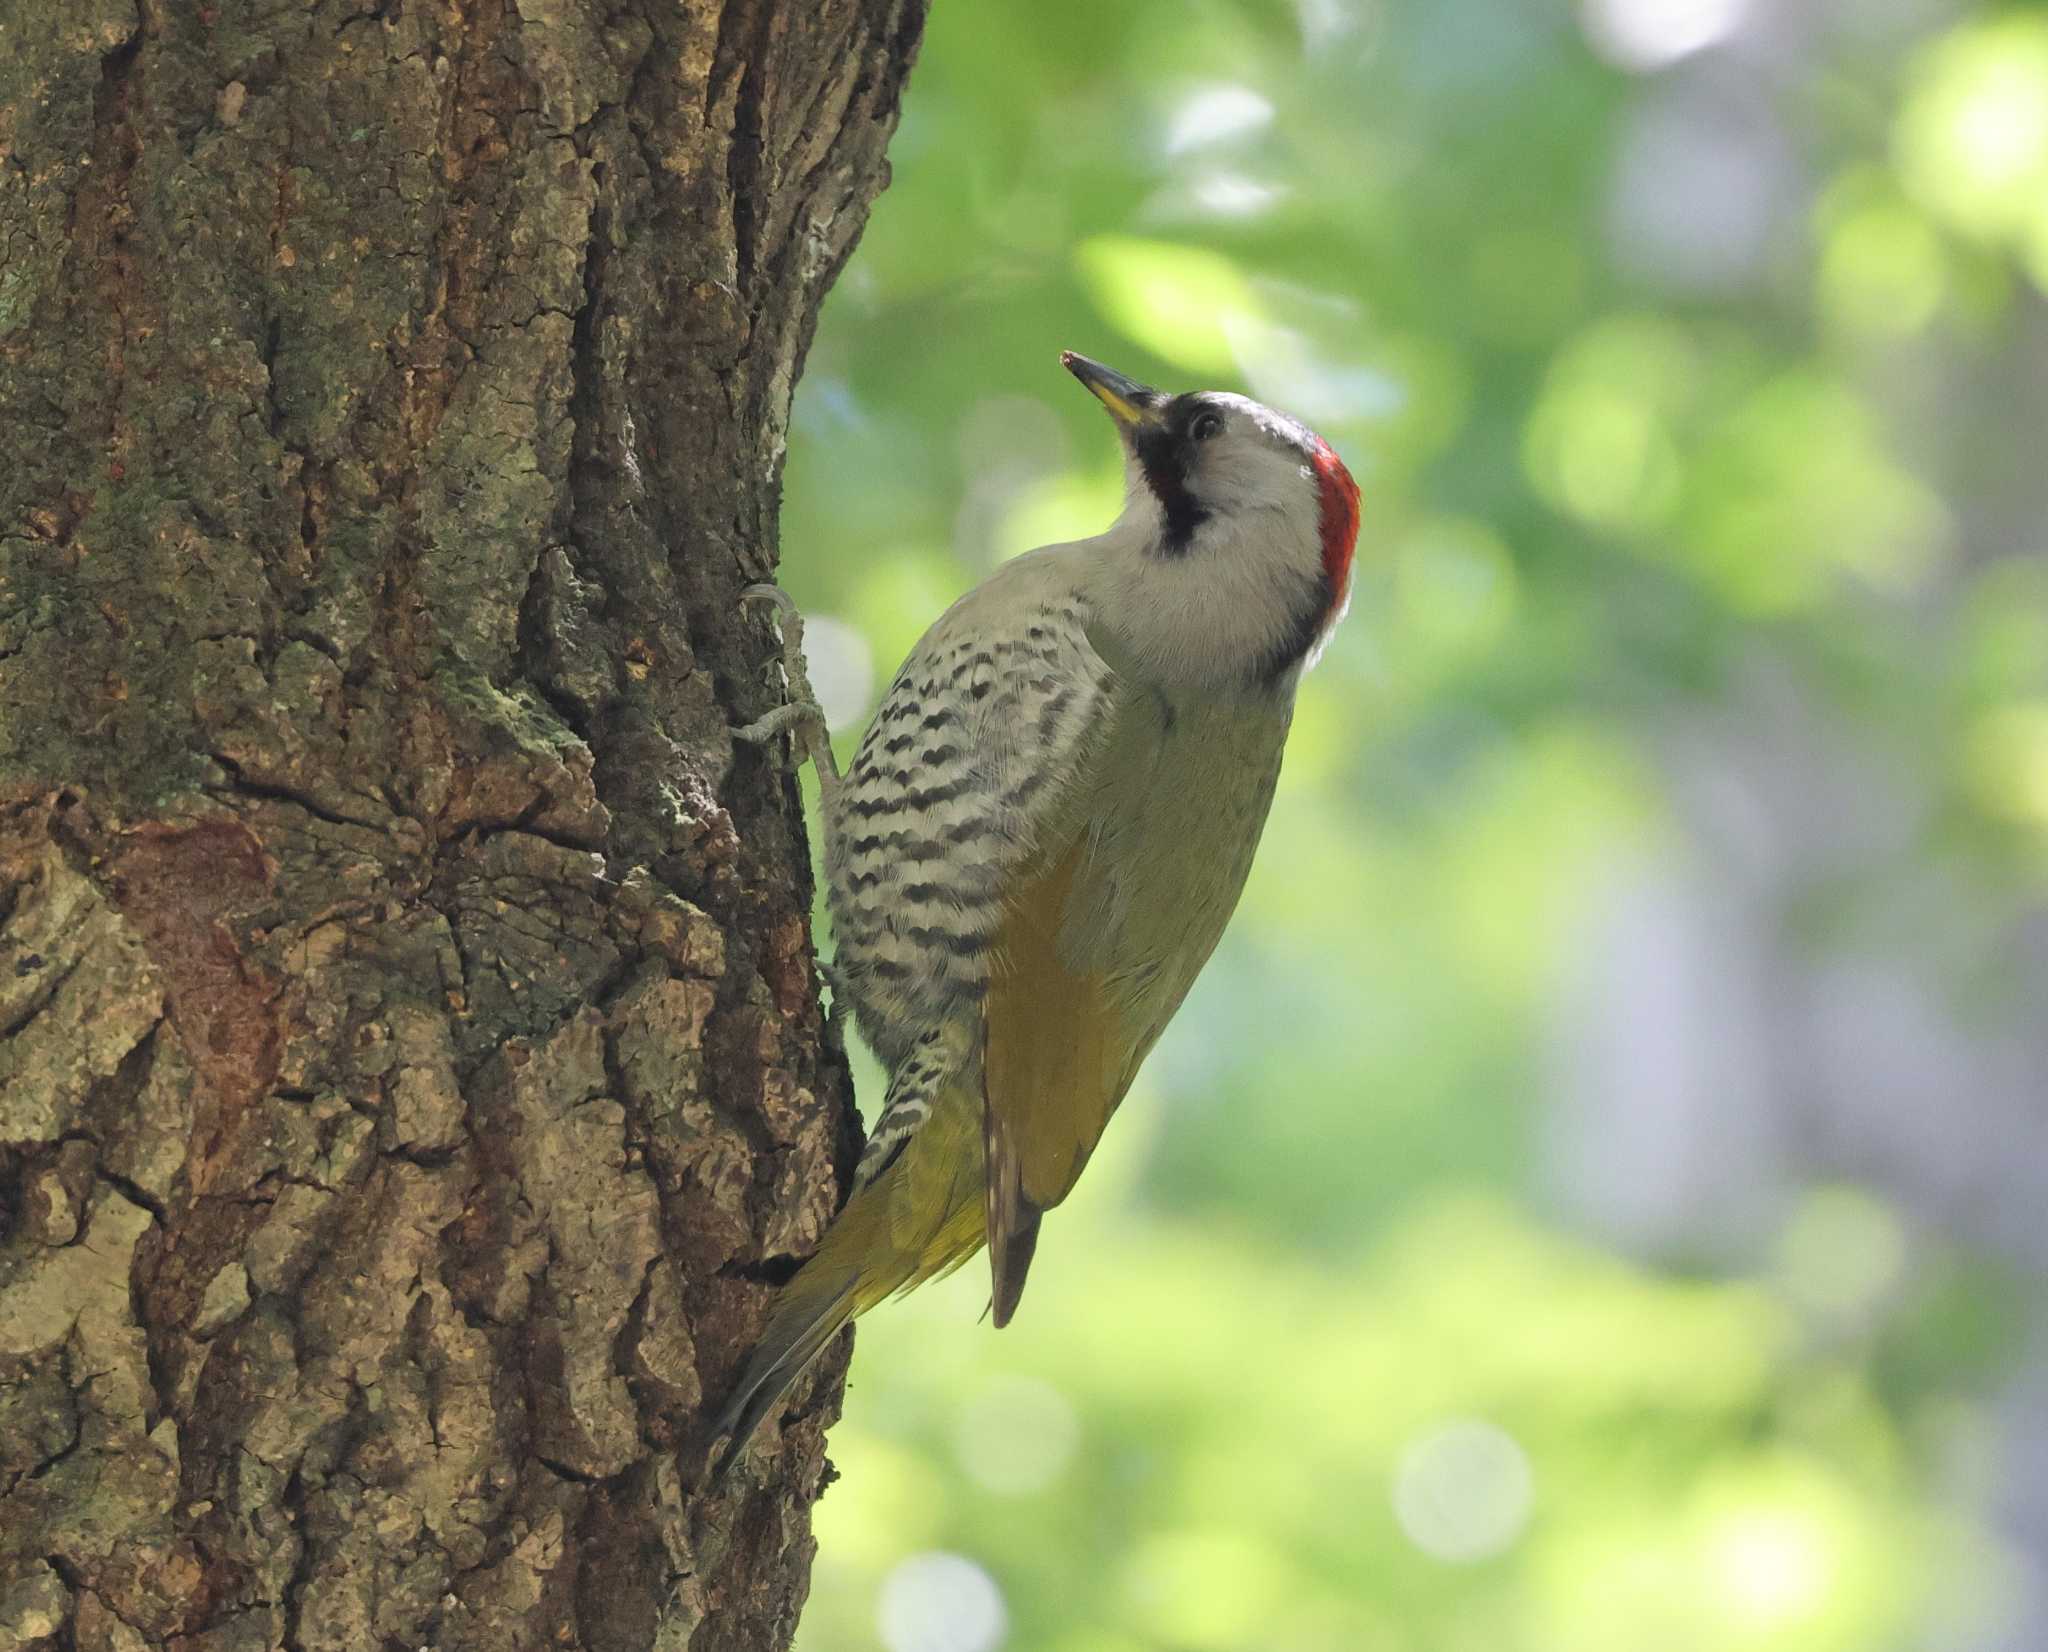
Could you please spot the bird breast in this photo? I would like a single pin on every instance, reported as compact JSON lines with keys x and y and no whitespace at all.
{"x":1000,"y":745}
{"x":1181,"y":794}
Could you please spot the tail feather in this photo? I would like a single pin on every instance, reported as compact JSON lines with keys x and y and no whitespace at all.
{"x":922,"y":1216}
{"x":1012,"y":1218}
{"x":802,"y":1325}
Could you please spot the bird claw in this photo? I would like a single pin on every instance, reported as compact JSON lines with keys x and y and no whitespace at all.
{"x":790,"y":628}
{"x":792,"y":715}
{"x":800,"y":714}
{"x":771,"y":593}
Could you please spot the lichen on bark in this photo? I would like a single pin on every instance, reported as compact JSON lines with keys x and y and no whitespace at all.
{"x":410,"y":1051}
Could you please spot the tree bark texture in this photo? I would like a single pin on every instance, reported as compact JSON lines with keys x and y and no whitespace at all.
{"x":411,"y":1051}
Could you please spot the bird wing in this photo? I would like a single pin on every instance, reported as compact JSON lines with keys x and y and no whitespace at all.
{"x":1054,"y":1048}
{"x":1054,"y":1066}
{"x":1107,"y":925}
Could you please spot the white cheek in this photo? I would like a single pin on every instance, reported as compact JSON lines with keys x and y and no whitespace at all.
{"x":1208,"y":617}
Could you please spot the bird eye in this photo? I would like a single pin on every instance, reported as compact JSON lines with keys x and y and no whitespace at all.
{"x":1205,"y":426}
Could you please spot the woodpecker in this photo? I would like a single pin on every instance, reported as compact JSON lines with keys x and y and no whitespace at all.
{"x":1043,"y":834}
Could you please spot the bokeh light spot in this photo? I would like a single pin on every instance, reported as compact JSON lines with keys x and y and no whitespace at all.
{"x":1772,"y":1567}
{"x":2006,"y":761}
{"x":1842,"y":1251}
{"x":1605,"y":456}
{"x":939,"y":1602}
{"x":1232,"y":195}
{"x":1650,"y":34}
{"x":1179,"y":302}
{"x":1882,"y":271}
{"x":1463,"y":1492}
{"x":1972,"y":139}
{"x":1599,"y":443}
{"x":1216,"y":114}
{"x":1017,"y":1436}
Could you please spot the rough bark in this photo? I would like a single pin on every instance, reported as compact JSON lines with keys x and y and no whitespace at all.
{"x":411,"y":1050}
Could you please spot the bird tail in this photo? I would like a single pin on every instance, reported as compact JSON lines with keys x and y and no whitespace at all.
{"x":921,"y":1217}
{"x":805,"y":1320}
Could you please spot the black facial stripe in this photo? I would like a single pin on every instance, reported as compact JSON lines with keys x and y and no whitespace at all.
{"x":1162,"y":451}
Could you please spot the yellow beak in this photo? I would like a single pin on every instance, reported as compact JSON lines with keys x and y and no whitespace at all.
{"x":1130,"y":403}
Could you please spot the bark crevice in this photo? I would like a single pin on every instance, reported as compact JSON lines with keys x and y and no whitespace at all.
{"x":414,"y":1046}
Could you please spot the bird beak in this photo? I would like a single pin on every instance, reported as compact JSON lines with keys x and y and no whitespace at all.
{"x":1130,"y":403}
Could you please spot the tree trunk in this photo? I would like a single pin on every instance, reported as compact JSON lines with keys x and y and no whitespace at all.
{"x":411,"y":1045}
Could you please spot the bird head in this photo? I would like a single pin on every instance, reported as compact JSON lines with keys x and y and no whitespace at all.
{"x":1231,"y":562}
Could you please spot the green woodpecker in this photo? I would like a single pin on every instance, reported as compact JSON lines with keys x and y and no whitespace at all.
{"x":1043,"y":834}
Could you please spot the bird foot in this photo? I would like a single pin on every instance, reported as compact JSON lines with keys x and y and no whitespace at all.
{"x":801,"y":714}
{"x":793,"y":716}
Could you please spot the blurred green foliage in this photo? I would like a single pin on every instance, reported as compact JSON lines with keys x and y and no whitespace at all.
{"x":1310,"y":1363}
